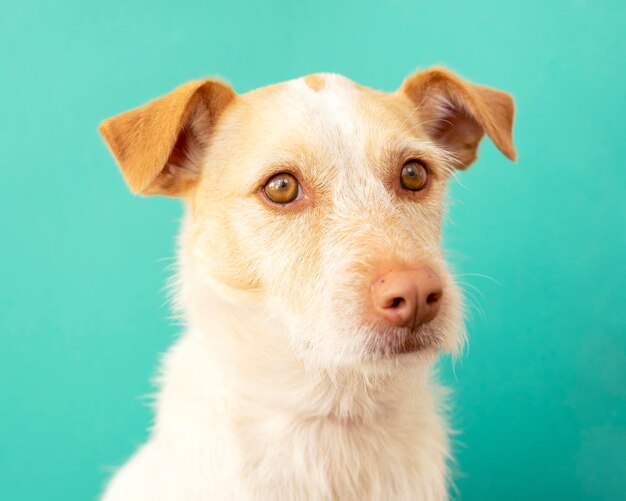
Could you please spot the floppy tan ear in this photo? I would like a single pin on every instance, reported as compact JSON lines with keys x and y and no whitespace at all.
{"x":456,"y":113}
{"x":159,"y":146}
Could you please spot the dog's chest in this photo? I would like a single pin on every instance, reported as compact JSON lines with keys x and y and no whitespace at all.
{"x":328,"y":459}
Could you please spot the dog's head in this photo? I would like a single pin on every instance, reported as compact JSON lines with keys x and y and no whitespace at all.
{"x":321,"y":201}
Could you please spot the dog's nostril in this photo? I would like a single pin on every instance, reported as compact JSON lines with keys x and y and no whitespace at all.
{"x":433,"y":297}
{"x":396,"y":302}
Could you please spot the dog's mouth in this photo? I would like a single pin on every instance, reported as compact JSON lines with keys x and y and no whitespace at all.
{"x":402,"y":341}
{"x":416,"y":342}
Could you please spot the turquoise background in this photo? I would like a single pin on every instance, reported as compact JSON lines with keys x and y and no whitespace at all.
{"x":540,"y":396}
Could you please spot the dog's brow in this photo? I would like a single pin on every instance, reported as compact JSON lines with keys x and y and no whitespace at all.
{"x":295,"y":161}
{"x":411,"y":147}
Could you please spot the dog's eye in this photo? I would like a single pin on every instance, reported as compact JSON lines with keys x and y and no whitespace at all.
{"x":414,"y":176}
{"x":282,"y":188}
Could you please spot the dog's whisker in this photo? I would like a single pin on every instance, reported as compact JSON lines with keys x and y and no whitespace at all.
{"x":473,"y":301}
{"x":479,"y":275}
{"x":471,"y":286}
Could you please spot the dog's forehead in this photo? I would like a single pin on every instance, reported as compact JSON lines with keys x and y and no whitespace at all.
{"x":325,"y":111}
{"x":326,"y":108}
{"x":308,"y":106}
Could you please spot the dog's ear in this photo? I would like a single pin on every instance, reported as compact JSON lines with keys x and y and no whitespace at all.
{"x":159,"y":146}
{"x":455,"y":113}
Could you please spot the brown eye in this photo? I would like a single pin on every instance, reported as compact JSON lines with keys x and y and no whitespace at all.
{"x":414,"y":176}
{"x":282,"y":188}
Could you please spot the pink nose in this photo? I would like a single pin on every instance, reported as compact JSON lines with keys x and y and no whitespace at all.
{"x":407,"y":297}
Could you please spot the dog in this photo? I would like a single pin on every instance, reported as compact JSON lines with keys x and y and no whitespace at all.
{"x":311,"y":281}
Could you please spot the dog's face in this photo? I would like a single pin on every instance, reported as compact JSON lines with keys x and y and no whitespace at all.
{"x":321,"y":200}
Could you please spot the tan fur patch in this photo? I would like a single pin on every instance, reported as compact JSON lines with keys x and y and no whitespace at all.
{"x":315,"y":82}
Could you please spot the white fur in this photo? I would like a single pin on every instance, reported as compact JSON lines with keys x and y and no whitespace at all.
{"x":272,"y":391}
